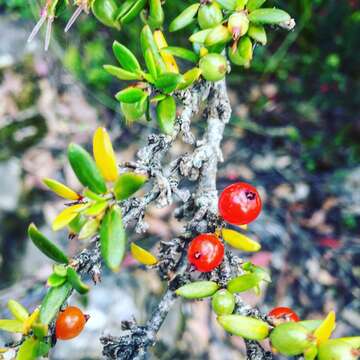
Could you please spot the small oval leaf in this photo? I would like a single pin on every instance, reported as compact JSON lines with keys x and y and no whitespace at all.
{"x":104,"y":154}
{"x":52,"y":302}
{"x":113,"y":238}
{"x":269,"y":16}
{"x":46,"y":246}
{"x":243,"y":282}
{"x":76,"y":282}
{"x":244,"y":326}
{"x":240,"y":241}
{"x":128,"y":184}
{"x":85,"y":169}
{"x":142,"y":256}
{"x":198,"y":290}
{"x":17,"y":310}
{"x":60,"y":189}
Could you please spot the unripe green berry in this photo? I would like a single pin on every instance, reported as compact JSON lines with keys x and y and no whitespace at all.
{"x":290,"y":338}
{"x":336,"y":349}
{"x":213,"y":67}
{"x":238,"y":24}
{"x":223,"y":302}
{"x":209,"y":16}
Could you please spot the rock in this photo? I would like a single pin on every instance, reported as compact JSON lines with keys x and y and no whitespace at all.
{"x":10,"y":189}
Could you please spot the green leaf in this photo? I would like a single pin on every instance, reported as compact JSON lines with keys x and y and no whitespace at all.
{"x":28,"y":349}
{"x":128,"y":184}
{"x":198,"y":289}
{"x":85,"y":169}
{"x":133,"y":12}
{"x":77,"y":223}
{"x":189,"y":78}
{"x":105,"y":11}
{"x":181,"y":53}
{"x":243,"y":282}
{"x":150,"y":63}
{"x":121,"y":73}
{"x":185,"y":18}
{"x":17,"y":310}
{"x":89,"y":229}
{"x":130,"y":95}
{"x":43,"y":349}
{"x":244,"y":326}
{"x":55,"y":280}
{"x":125,"y":57}
{"x":52,"y":302}
{"x":147,"y":41}
{"x":200,"y":36}
{"x":76,"y":282}
{"x":167,"y":82}
{"x":166,"y":115}
{"x":60,"y":270}
{"x":227,"y":4}
{"x":257,"y":33}
{"x":113,"y":238}
{"x":14,"y":326}
{"x":46,"y":246}
{"x":40,"y":330}
{"x":254,"y":4}
{"x":96,"y":209}
{"x":269,"y":16}
{"x":156,"y":14}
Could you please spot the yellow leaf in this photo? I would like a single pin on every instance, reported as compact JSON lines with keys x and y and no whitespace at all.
{"x":104,"y":154}
{"x":60,"y":189}
{"x":240,"y":241}
{"x":142,"y":255}
{"x":3,"y":350}
{"x":67,"y":215}
{"x":28,"y":323}
{"x":244,"y":227}
{"x":323,"y":332}
{"x":169,"y":60}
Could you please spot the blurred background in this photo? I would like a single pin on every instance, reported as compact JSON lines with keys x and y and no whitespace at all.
{"x":294,"y":133}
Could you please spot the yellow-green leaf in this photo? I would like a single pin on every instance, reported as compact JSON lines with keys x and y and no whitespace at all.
{"x":60,"y":189}
{"x":244,"y":326}
{"x":17,"y":310}
{"x":240,"y":241}
{"x":28,"y":323}
{"x":67,"y":215}
{"x":142,"y":256}
{"x":104,"y":154}
{"x":89,"y":229}
{"x":96,"y":209}
{"x":14,"y":326}
{"x":28,"y":349}
{"x":323,"y":332}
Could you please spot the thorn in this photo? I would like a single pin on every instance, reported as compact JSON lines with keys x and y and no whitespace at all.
{"x":73,"y":18}
{"x":48,"y":32}
{"x":38,"y":25}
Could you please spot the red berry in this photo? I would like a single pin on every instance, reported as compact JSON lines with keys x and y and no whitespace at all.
{"x":239,"y":203}
{"x":284,"y":313}
{"x":206,"y":252}
{"x":70,"y":323}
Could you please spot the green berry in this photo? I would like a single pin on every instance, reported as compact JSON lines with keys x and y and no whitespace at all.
{"x":223,"y":302}
{"x":213,"y":67}
{"x":290,"y":339}
{"x":209,"y":16}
